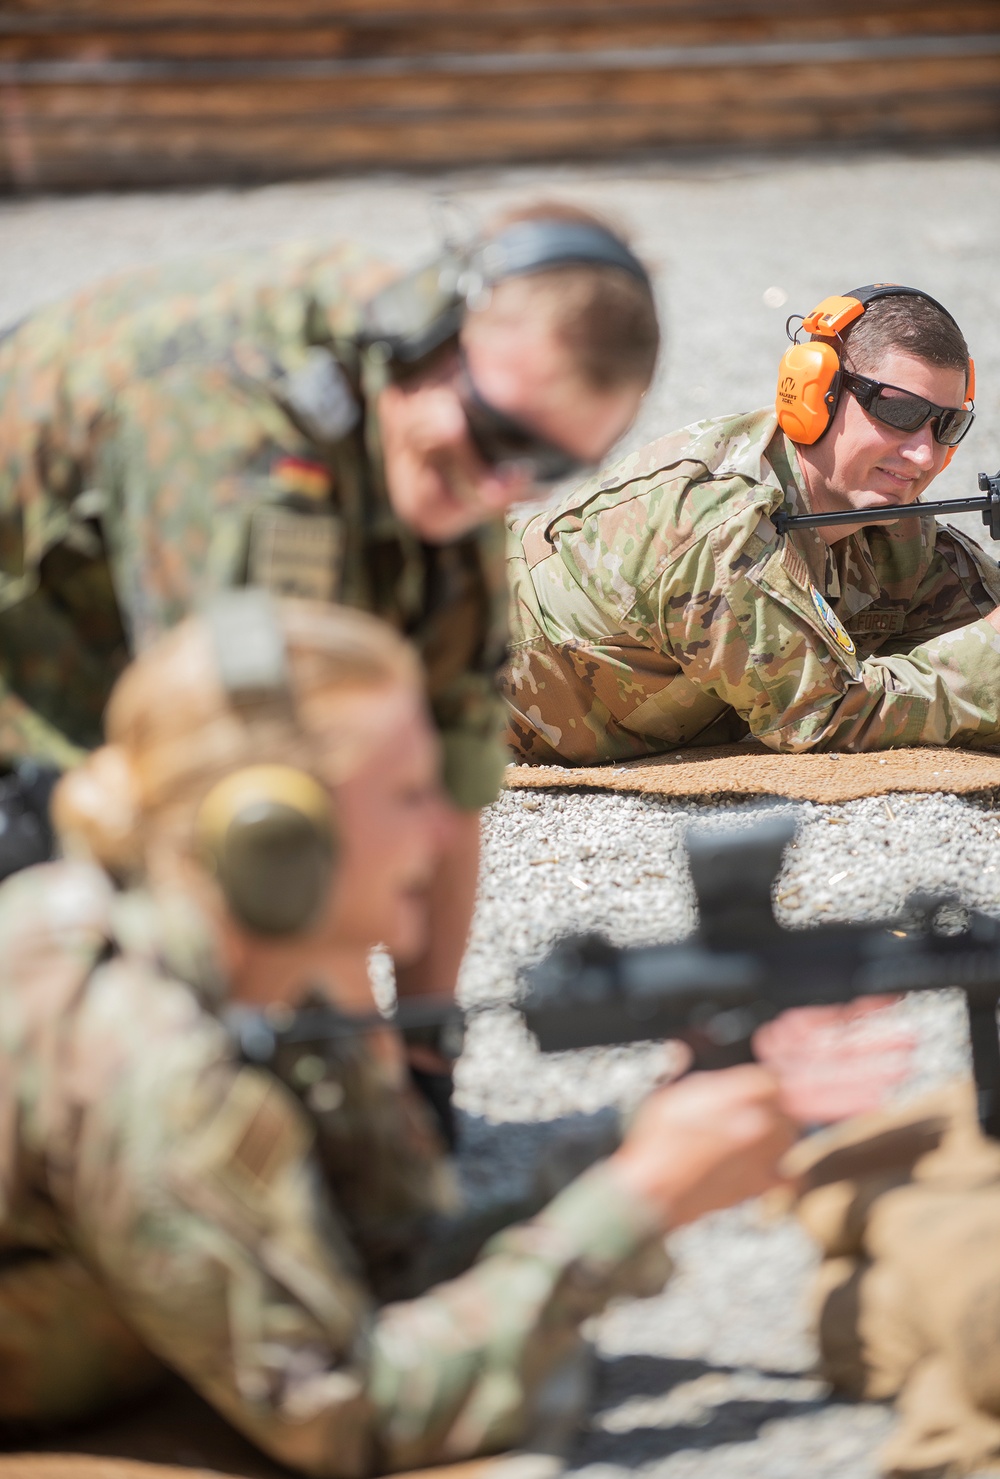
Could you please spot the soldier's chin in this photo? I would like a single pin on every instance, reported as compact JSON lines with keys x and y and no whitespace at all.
{"x":442,"y":515}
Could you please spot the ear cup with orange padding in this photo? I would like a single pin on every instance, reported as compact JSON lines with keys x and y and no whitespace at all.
{"x":268,"y":835}
{"x":808,"y":387}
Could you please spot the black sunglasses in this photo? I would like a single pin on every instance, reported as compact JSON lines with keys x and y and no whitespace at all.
{"x":904,"y":411}
{"x":500,"y":439}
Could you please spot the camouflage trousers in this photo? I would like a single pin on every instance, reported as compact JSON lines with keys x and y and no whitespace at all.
{"x":64,"y":1352}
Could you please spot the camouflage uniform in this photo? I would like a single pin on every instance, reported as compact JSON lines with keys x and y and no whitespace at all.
{"x":168,"y":1207}
{"x":658,"y":607}
{"x":211,"y":423}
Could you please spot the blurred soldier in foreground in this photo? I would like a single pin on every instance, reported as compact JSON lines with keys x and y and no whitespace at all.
{"x":286,"y":420}
{"x":268,"y":804}
{"x":662,"y":605}
{"x":905,"y":1205}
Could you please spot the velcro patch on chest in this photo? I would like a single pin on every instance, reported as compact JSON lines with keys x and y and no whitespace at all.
{"x":881,"y":623}
{"x":294,"y":553}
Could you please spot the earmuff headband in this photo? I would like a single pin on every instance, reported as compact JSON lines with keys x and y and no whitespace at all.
{"x":527,"y":247}
{"x":265,"y":831}
{"x":249,"y":648}
{"x":876,"y":290}
{"x":411,"y":318}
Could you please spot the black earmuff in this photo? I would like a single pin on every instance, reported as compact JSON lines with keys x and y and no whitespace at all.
{"x":266,"y":831}
{"x":411,"y":318}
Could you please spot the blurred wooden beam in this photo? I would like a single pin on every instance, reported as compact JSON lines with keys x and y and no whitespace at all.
{"x":94,"y":94}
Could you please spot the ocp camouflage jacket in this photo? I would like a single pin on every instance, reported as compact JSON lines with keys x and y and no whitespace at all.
{"x":658,"y":607}
{"x":161,"y":1202}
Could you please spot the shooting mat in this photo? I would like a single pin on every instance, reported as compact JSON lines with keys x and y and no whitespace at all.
{"x":752,"y":770}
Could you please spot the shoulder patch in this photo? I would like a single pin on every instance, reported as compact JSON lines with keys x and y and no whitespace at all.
{"x":320,"y":398}
{"x":832,"y":622}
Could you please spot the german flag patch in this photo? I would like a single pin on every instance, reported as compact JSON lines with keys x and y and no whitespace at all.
{"x":299,"y":476}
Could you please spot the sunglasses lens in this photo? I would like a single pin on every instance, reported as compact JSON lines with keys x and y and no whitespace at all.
{"x":499,"y":440}
{"x":952,"y":426}
{"x":904,"y":412}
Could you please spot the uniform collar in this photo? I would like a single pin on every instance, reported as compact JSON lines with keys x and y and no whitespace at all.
{"x":173,"y":933}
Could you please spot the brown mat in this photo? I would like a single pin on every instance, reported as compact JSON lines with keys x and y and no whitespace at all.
{"x":752,"y":770}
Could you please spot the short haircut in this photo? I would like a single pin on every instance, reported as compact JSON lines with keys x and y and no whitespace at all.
{"x":173,"y":732}
{"x":605,"y":317}
{"x":907,"y":324}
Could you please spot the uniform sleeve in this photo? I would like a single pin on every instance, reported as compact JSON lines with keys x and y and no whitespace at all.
{"x":196,"y":1201}
{"x":797,"y":692}
{"x":26,"y":735}
{"x":190,"y":458}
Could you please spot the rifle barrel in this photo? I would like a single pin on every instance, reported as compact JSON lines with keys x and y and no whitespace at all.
{"x":882,"y":515}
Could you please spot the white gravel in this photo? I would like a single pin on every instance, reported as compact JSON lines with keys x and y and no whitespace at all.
{"x":714,"y":1377}
{"x":712,"y":1380}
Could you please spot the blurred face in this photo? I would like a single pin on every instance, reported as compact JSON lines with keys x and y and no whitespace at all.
{"x":440,"y":483}
{"x":393,"y":822}
{"x":861,"y":462}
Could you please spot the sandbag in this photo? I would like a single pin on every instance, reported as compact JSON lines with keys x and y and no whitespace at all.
{"x":905,"y":1205}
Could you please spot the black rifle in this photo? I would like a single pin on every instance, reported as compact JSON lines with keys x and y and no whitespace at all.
{"x":741,"y":968}
{"x":26,"y":835}
{"x":713,"y":990}
{"x":989,"y":507}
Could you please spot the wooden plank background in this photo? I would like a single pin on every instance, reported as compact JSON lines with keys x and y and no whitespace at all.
{"x":109,"y":93}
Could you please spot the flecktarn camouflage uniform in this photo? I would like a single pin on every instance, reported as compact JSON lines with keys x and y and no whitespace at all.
{"x":657,"y":607}
{"x":161,"y":1203}
{"x":179,"y":430}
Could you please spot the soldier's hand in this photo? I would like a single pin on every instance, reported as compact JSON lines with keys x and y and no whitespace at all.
{"x":839,"y":1061}
{"x":710,"y":1141}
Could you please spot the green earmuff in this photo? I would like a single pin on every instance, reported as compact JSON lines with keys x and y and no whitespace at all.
{"x":266,"y":831}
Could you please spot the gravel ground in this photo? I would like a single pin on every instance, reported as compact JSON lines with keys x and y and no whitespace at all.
{"x":714,"y":1377}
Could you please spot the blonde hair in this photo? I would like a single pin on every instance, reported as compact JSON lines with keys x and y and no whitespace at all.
{"x":173,"y":731}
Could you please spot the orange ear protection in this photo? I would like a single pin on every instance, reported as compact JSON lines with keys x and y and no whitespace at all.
{"x":809,"y":373}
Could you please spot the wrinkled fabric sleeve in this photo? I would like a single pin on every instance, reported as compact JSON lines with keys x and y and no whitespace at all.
{"x":780,"y":676}
{"x":961,"y":584}
{"x":198,"y":1205}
